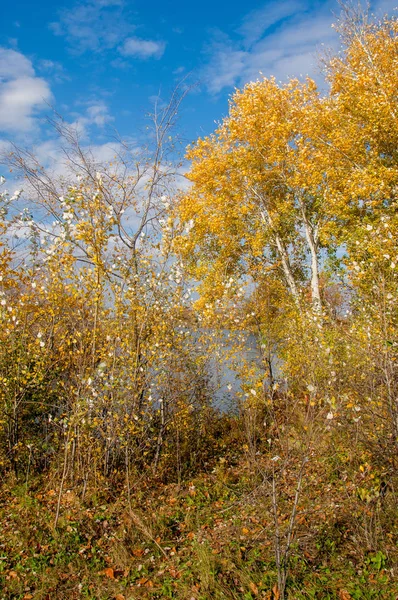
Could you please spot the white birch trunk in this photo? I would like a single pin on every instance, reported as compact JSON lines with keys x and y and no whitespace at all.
{"x":311,"y":233}
{"x":284,"y":256}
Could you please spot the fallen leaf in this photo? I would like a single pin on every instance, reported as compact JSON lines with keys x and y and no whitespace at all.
{"x":109,"y":572}
{"x":253,"y":588}
{"x":13,"y":575}
{"x":174,"y":573}
{"x":276,"y":592}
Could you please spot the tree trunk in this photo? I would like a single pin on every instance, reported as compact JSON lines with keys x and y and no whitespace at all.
{"x":311,"y":233}
{"x":284,"y":256}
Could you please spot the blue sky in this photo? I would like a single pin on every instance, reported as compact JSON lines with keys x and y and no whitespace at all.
{"x":101,"y":63}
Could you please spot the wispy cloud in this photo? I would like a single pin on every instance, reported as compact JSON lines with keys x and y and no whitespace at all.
{"x":96,"y":114}
{"x":100,"y":25}
{"x":50,"y":155}
{"x":93,"y":25}
{"x":22,"y":93}
{"x":281,"y":39}
{"x":257,"y":22}
{"x":142,"y":48}
{"x":53,"y":69}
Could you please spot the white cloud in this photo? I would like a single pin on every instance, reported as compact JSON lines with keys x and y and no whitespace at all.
{"x":142,"y":48}
{"x":99,"y":25}
{"x":282,"y":42}
{"x":53,"y":69}
{"x":258,"y":21}
{"x":105,"y":153}
{"x":14,"y":64}
{"x":22,"y":94}
{"x":97,"y":113}
{"x":280,"y":39}
{"x":51,"y":156}
{"x":4,"y":148}
{"x":226,"y":68}
{"x":94,"y":25}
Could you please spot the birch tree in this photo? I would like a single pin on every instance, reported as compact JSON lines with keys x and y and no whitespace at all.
{"x":256,"y":194}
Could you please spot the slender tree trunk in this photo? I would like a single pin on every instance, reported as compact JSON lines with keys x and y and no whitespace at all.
{"x":282,"y":251}
{"x":284,"y":256}
{"x":311,"y":234}
{"x":63,"y":477}
{"x":287,"y":270}
{"x":159,"y":444}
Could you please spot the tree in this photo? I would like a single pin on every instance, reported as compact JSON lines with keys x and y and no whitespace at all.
{"x":102,"y":310}
{"x":257,"y":196}
{"x":361,"y":159}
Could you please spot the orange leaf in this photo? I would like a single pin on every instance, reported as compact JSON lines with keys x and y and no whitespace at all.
{"x":344,"y":595}
{"x":253,"y":588}
{"x":174,"y":573}
{"x":13,"y":575}
{"x":109,"y":572}
{"x":276,"y":592}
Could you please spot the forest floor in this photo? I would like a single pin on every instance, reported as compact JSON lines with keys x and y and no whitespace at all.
{"x":209,"y":537}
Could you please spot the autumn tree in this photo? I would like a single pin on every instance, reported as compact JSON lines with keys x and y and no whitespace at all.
{"x":104,"y":310}
{"x":257,"y":198}
{"x":360,"y":150}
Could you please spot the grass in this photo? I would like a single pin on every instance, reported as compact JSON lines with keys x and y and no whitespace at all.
{"x":209,"y":538}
